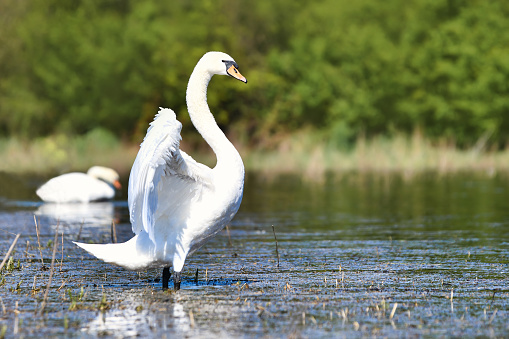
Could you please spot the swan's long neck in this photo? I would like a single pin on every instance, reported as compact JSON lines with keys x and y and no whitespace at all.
{"x":204,"y":121}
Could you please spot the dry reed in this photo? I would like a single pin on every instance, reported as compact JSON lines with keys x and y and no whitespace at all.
{"x":38,"y":240}
{"x":277,"y":251}
{"x":52,"y":268}
{"x":9,"y":251}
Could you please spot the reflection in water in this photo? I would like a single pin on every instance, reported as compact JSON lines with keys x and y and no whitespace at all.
{"x":121,"y":323}
{"x":180,"y":318}
{"x":76,"y":215}
{"x":135,"y":320}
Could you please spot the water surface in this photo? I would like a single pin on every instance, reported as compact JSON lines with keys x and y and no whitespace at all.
{"x":359,"y":255}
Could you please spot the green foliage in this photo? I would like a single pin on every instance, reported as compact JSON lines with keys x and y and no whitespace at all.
{"x":3,"y":331}
{"x":104,"y":304}
{"x":347,"y":68}
{"x":75,"y":299}
{"x":10,"y":265}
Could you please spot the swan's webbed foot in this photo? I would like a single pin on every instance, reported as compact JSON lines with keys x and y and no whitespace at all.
{"x":176,"y":280}
{"x":166,"y":277}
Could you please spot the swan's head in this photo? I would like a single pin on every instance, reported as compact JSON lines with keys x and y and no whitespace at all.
{"x":105,"y":174}
{"x":223,"y":64}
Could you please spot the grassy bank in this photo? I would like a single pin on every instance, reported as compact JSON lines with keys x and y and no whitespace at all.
{"x":59,"y":154}
{"x":301,"y":153}
{"x":408,"y":155}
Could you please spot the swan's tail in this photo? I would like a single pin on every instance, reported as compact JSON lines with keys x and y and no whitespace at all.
{"x":126,"y":255}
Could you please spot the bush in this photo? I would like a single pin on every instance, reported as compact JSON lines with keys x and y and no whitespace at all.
{"x":347,"y":68}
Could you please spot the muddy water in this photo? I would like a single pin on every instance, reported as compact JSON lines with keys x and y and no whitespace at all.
{"x":359,"y":255}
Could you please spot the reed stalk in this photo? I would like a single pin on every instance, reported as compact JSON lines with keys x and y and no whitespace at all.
{"x":9,"y":251}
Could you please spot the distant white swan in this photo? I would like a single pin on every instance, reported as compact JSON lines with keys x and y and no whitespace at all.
{"x":176,"y":204}
{"x":99,"y":183}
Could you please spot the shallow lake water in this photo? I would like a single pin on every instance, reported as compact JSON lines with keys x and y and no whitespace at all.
{"x":357,"y":255}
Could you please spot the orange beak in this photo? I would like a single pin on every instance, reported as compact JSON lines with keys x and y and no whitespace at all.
{"x":234,"y":72}
{"x":117,"y":185}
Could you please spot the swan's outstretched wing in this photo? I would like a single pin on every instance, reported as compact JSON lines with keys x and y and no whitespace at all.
{"x":160,"y":157}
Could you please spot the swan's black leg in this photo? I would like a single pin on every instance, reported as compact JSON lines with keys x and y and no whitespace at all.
{"x":176,"y":280}
{"x":166,"y":277}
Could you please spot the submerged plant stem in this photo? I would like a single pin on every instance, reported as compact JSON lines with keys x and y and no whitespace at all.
{"x":113,"y":232}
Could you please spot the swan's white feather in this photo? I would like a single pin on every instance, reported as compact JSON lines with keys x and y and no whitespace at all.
{"x":160,"y":157}
{"x":135,"y":254}
{"x":175,"y":203}
{"x":75,"y":187}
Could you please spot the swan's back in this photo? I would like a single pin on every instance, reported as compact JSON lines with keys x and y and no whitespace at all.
{"x":75,"y":187}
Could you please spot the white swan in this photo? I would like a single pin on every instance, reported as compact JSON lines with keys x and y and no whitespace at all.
{"x":175,"y":203}
{"x":99,"y":183}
